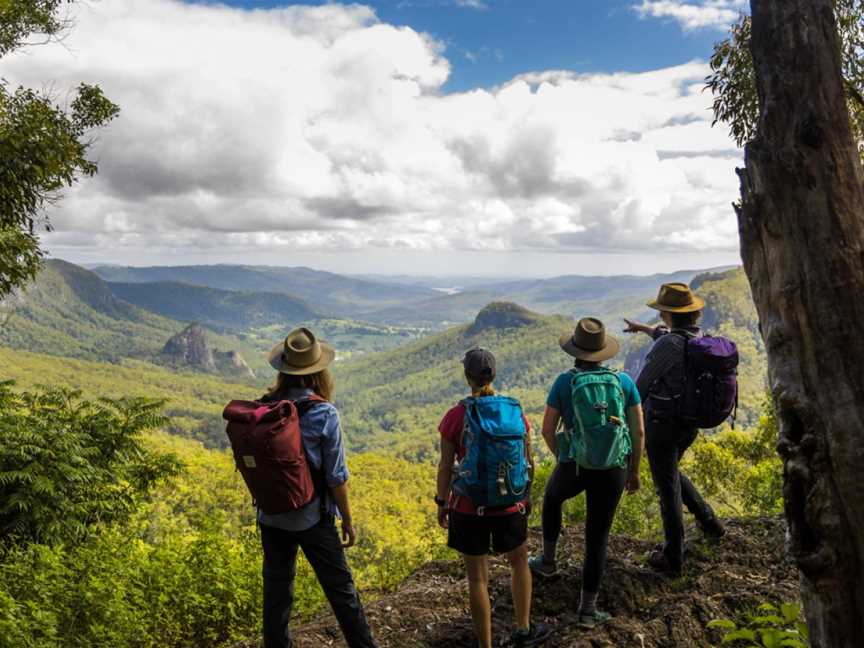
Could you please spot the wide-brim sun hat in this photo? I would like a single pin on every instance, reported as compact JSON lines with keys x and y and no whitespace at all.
{"x":589,"y":341}
{"x":301,"y":354}
{"x":677,"y":298}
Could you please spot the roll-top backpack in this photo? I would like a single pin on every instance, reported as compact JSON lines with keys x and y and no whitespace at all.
{"x":710,"y":393}
{"x":494,"y":471}
{"x":268,"y":451}
{"x":600,"y":438}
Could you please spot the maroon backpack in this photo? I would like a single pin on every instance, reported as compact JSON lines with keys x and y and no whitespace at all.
{"x":268,"y":451}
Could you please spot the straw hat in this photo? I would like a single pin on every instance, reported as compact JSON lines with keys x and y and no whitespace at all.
{"x":677,"y":298}
{"x":589,"y":341}
{"x":301,"y":354}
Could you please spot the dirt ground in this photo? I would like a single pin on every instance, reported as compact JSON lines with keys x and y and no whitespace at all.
{"x":748,"y":567}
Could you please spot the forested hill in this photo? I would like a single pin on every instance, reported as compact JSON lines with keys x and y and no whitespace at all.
{"x":69,"y":311}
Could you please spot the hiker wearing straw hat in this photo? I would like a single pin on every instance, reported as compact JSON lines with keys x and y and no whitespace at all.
{"x":598,"y":449}
{"x":288,"y":448}
{"x":661,"y":384}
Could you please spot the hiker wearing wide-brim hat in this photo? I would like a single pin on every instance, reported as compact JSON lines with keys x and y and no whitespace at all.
{"x":661,"y":384}
{"x":677,"y":298}
{"x":598,"y":449}
{"x":304,"y":379}
{"x":301,"y":354}
{"x":589,"y":341}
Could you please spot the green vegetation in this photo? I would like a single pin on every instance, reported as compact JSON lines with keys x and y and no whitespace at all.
{"x":769,"y":627}
{"x":181,"y":566}
{"x":43,"y":146}
{"x":70,"y":312}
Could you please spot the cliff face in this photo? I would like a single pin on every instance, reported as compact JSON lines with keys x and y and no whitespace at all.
{"x":189,"y":348}
{"x":747,"y":568}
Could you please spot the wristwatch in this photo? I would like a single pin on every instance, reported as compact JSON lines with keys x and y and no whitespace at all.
{"x":439,"y":501}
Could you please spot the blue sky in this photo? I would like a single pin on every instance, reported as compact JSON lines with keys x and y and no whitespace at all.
{"x":495,"y":40}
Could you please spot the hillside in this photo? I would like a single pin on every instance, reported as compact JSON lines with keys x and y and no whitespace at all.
{"x":228,"y":309}
{"x":69,"y":311}
{"x":333,"y":294}
{"x":429,"y":609}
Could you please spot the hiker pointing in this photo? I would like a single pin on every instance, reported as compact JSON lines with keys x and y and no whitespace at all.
{"x":687,"y":382}
{"x":598,"y":449}
{"x":288,"y":448}
{"x":483,"y":500}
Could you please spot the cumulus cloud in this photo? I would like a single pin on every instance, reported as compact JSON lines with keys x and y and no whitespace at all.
{"x":323,"y":128}
{"x":694,"y":14}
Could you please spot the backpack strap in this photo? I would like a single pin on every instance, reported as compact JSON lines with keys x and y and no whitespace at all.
{"x":319,"y":481}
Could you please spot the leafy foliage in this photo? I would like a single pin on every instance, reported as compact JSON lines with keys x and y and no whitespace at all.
{"x":66,"y":465}
{"x":43,"y":147}
{"x":770,"y":627}
{"x":733,"y":83}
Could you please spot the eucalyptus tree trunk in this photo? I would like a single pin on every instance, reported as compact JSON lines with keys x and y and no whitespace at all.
{"x":801,"y":222}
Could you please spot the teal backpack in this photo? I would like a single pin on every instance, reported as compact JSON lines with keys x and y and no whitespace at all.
{"x":600,"y":438}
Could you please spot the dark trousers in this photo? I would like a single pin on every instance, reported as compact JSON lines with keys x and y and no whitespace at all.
{"x":324,"y":551}
{"x":666,"y":443}
{"x":603,"y":490}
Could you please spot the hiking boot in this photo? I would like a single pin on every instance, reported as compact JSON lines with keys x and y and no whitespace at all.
{"x":592,"y":620}
{"x":660,"y":563}
{"x":536,"y":635}
{"x":540,"y":566}
{"x":712,"y":528}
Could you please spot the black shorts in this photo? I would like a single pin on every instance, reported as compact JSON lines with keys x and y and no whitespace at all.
{"x":471,"y":534}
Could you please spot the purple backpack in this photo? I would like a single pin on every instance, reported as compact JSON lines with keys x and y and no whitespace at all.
{"x":710,"y":381}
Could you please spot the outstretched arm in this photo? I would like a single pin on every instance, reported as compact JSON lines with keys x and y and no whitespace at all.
{"x":638,"y":327}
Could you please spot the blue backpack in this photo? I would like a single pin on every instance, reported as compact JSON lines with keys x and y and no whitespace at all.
{"x":494,"y":470}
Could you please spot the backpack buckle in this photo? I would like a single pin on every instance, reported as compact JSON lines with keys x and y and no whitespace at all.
{"x":481,"y":511}
{"x":601,"y":407}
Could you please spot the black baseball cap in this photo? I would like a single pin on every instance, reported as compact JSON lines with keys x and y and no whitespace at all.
{"x":479,"y":365}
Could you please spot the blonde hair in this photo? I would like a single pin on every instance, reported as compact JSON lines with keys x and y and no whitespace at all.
{"x":321,"y":383}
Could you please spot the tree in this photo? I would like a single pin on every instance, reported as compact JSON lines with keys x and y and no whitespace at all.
{"x":734,"y":85}
{"x":801,"y":223}
{"x":43,"y":146}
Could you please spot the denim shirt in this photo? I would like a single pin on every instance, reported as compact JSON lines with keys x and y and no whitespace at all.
{"x":322,"y":441}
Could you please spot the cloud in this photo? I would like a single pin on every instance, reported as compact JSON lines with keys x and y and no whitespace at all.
{"x":472,"y":4}
{"x":323,"y":129}
{"x":695,"y":14}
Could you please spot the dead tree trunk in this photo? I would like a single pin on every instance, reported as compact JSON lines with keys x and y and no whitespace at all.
{"x":801,"y":222}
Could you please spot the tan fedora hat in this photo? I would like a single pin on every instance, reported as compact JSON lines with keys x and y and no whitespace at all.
{"x":301,"y":353}
{"x":677,"y":298}
{"x":589,"y":341}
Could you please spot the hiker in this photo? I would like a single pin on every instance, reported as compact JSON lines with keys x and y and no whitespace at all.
{"x":661,"y":384}
{"x":297,"y":474}
{"x":598,"y":449}
{"x":484,"y":499}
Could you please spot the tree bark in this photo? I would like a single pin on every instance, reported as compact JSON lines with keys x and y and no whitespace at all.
{"x":801,"y":223}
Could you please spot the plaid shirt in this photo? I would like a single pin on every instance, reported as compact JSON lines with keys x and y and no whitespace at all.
{"x":663,"y":373}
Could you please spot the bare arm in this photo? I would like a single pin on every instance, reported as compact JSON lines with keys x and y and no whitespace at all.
{"x":551,"y":418}
{"x":637,"y":437}
{"x":638,"y":327}
{"x":340,"y":496}
{"x":445,"y":476}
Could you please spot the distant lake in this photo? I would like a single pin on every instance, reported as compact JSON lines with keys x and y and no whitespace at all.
{"x":448,"y":291}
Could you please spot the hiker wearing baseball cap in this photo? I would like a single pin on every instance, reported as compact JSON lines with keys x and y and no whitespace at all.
{"x":661,"y":384}
{"x":288,"y":447}
{"x":598,"y":450}
{"x":483,"y":500}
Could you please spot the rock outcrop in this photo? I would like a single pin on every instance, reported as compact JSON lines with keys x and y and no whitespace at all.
{"x":502,"y":315}
{"x":189,"y":348}
{"x":231,"y":363}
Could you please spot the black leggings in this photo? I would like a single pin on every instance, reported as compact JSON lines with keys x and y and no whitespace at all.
{"x":603,"y":489}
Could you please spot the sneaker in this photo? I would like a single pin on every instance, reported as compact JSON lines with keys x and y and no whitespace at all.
{"x":537,"y":634}
{"x":596,"y":618}
{"x":540,"y":566}
{"x":660,"y":563}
